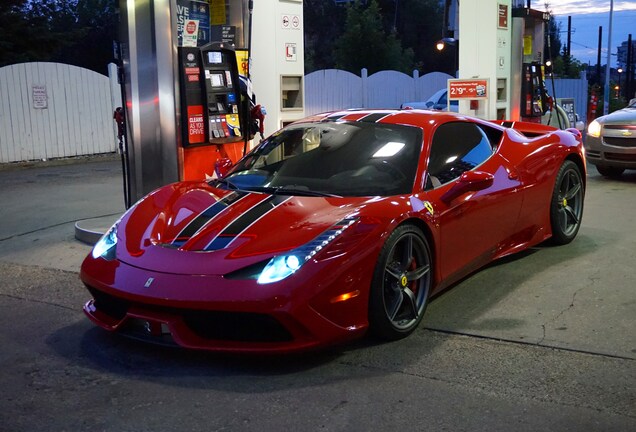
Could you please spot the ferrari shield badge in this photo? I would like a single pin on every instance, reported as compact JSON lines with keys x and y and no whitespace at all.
{"x":429,"y":207}
{"x":419,"y":205}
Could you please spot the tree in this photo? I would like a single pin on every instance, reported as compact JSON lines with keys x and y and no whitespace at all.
{"x":365,"y":44}
{"x":77,"y":32}
{"x":96,"y":22}
{"x":28,"y":31}
{"x":324,"y":21}
{"x":418,"y":23}
{"x":563,"y":64}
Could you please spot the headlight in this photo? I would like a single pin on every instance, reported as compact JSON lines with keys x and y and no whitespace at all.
{"x":279,"y":268}
{"x":594,"y":129}
{"x":105,"y":246}
{"x":282,"y":266}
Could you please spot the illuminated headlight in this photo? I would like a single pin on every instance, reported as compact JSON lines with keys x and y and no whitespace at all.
{"x":282,"y":266}
{"x":279,"y":268}
{"x":105,"y":246}
{"x":594,"y":129}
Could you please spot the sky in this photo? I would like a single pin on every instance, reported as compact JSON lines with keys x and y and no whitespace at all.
{"x":587,"y":16}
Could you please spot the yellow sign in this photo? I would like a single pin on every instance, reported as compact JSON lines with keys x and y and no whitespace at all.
{"x":242,"y":61}
{"x":527,"y":45}
{"x":217,"y":12}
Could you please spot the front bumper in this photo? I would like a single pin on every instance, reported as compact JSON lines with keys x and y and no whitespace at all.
{"x":616,"y":147}
{"x":210,"y":312}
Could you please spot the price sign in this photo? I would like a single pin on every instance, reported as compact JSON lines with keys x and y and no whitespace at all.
{"x":468,"y":89}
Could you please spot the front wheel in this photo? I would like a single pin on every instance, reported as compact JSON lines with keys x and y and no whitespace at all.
{"x":401,"y":284}
{"x":566,"y":206}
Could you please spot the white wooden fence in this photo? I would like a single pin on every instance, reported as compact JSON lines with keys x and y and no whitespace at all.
{"x":332,"y":89}
{"x":53,"y":110}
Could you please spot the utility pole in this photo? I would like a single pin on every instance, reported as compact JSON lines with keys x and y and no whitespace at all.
{"x":629,"y":73}
{"x":569,"y":34}
{"x":606,"y":90}
{"x":598,"y":57}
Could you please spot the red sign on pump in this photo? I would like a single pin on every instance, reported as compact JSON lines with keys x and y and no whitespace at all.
{"x":196,"y":125}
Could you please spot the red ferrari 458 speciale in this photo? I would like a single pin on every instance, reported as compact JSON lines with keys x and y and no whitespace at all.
{"x":336,"y":225}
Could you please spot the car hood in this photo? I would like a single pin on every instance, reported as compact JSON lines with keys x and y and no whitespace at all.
{"x":193,"y":228}
{"x":623,"y":116}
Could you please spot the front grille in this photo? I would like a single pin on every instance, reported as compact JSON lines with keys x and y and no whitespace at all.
{"x":213,"y":325}
{"x":620,"y":142}
{"x":621,"y":157}
{"x":620,"y":127}
{"x":236,"y":326}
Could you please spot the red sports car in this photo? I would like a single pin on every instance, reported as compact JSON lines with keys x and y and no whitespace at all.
{"x":336,"y":225}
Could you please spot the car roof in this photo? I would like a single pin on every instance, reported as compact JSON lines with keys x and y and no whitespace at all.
{"x":435,"y":97}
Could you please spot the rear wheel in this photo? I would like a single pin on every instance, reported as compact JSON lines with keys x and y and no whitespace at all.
{"x":609,"y":171}
{"x":401,"y":284}
{"x":566,"y":207}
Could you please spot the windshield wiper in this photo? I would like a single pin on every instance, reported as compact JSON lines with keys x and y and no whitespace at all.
{"x":287,"y":190}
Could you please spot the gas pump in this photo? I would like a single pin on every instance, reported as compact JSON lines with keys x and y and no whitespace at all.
{"x":212,"y":120}
{"x":534,"y":101}
{"x":185,"y":105}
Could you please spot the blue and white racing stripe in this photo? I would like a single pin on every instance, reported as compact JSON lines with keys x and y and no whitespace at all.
{"x":206,"y":216}
{"x":244,"y":221}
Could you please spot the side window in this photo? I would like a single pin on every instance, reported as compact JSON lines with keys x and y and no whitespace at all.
{"x":456,"y":148}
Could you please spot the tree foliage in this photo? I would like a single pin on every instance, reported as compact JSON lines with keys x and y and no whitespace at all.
{"x":403,"y":25}
{"x":563,"y":64}
{"x":418,"y":23}
{"x":324,"y":22}
{"x":77,"y":32}
{"x":365,"y":44}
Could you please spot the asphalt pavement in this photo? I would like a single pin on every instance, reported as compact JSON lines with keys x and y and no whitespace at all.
{"x":544,"y":340}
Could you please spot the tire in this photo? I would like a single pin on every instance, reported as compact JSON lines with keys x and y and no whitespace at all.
{"x":566,"y":206}
{"x":401,"y":284}
{"x":608,"y":171}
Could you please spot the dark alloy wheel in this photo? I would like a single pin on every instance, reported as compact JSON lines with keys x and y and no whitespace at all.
{"x":566,"y":208}
{"x":401,"y":284}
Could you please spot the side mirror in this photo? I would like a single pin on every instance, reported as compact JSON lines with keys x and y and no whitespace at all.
{"x":222,"y":166}
{"x":470,"y":181}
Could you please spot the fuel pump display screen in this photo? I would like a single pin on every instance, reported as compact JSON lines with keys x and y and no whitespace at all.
{"x":216,"y":80}
{"x":215,"y":57}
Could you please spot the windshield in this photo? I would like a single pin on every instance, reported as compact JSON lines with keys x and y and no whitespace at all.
{"x":342,"y":159}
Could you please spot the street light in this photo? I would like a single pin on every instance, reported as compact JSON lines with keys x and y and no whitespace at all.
{"x":620,"y":71}
{"x":441,"y":44}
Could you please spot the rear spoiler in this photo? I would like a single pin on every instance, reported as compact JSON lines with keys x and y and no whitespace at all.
{"x":530,"y":129}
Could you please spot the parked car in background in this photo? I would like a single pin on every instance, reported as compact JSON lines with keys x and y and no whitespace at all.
{"x":611,"y":141}
{"x":438,"y":102}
